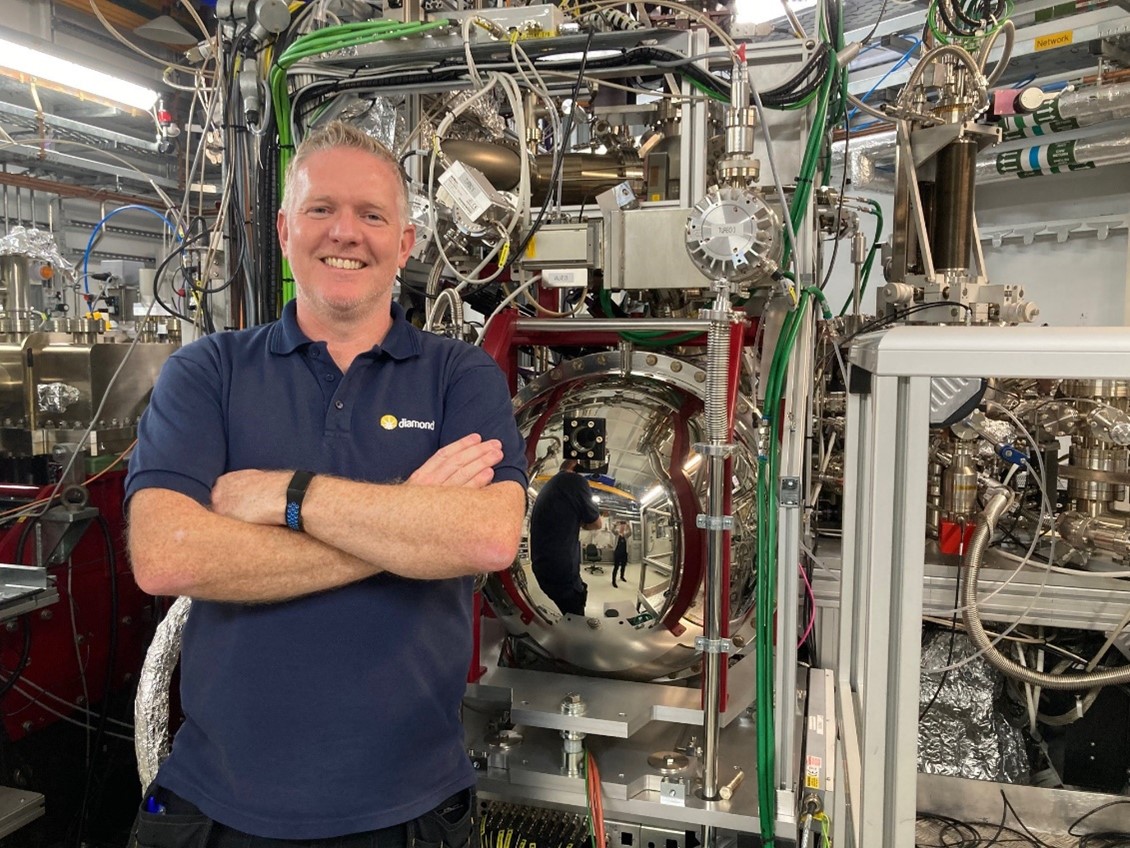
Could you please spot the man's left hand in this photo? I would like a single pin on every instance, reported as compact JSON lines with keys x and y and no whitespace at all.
{"x":257,"y":497}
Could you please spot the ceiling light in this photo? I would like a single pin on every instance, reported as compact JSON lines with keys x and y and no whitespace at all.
{"x":761,"y":11}
{"x":52,"y":69}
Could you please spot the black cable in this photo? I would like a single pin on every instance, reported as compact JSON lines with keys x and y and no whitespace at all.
{"x":883,"y":321}
{"x":839,"y":208}
{"x":559,"y":160}
{"x":25,"y":655}
{"x":949,"y":654}
{"x":875,"y":26}
{"x":1100,"y":839}
{"x":1009,"y":808}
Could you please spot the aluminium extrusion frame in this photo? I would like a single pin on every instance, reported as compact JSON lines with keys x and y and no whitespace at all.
{"x":881,"y":592}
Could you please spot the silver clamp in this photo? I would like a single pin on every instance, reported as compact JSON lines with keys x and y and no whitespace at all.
{"x":790,"y":491}
{"x":711,"y":449}
{"x":703,"y":645}
{"x":714,"y":522}
{"x":721,"y":316}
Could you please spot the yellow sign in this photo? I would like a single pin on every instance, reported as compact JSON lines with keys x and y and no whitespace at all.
{"x":389,"y":422}
{"x":811,"y":781}
{"x":1056,"y":39}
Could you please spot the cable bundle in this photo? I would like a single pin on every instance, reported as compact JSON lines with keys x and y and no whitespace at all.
{"x":969,"y":19}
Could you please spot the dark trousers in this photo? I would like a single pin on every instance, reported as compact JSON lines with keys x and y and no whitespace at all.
{"x":619,"y":564}
{"x":569,"y":600}
{"x":182,"y":825}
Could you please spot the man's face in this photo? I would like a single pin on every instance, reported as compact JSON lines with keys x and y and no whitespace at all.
{"x":343,"y":233}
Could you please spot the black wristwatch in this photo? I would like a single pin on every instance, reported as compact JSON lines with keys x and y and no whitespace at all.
{"x":295,"y":492}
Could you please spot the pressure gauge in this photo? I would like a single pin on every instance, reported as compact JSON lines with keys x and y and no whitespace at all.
{"x":733,"y":234}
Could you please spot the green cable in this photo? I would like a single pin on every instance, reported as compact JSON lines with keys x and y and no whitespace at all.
{"x":709,"y":92}
{"x":766,"y":571}
{"x":825,"y":307}
{"x":865,"y":272}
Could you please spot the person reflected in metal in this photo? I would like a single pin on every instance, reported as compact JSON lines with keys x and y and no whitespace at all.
{"x":623,"y":532}
{"x":563,"y":508}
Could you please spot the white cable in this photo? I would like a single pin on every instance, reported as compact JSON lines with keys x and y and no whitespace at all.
{"x":19,"y":688}
{"x":509,"y":299}
{"x":78,"y":650}
{"x":76,"y":707}
{"x":785,"y":212}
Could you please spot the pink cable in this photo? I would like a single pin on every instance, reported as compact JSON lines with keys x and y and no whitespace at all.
{"x":812,"y":597}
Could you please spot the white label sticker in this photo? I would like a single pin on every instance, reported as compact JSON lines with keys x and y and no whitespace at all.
{"x":559,"y":278}
{"x":465,"y":190}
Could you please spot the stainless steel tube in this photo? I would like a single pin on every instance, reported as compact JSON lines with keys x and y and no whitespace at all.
{"x":627,"y":325}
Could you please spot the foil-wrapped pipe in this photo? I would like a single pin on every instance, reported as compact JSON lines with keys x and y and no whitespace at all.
{"x":151,"y":706}
{"x":1072,"y":109}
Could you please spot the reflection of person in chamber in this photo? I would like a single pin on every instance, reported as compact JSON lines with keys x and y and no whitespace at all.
{"x":563,"y":507}
{"x":620,"y":556}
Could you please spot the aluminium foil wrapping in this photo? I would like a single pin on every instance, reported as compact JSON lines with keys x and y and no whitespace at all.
{"x":151,"y":707}
{"x":34,"y":244}
{"x":964,"y":733}
{"x":383,"y":120}
{"x":864,"y":153}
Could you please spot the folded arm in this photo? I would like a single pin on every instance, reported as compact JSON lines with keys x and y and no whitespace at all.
{"x":447,"y":520}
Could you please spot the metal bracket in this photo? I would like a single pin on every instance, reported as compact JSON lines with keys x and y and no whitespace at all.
{"x":710,"y":449}
{"x":714,"y":522}
{"x":672,"y":792}
{"x":703,"y":645}
{"x":790,"y":491}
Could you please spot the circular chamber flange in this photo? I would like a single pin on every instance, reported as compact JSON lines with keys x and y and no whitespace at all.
{"x":733,"y":234}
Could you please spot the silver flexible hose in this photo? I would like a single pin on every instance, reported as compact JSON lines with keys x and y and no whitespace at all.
{"x":1009,"y":30}
{"x":151,"y":705}
{"x":986,"y":521}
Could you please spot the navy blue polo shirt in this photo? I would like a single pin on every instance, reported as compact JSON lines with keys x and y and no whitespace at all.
{"x":338,"y":712}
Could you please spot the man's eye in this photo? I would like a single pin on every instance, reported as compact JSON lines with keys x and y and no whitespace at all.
{"x":317,"y":210}
{"x":374,"y":216}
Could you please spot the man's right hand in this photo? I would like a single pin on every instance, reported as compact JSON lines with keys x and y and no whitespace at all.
{"x":468,"y":462}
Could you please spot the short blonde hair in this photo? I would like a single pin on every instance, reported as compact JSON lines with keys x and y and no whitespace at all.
{"x":339,"y":134}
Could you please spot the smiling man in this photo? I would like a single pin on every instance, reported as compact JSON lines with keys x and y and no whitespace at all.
{"x":324,"y":488}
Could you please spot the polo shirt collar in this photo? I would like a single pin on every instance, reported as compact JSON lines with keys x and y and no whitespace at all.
{"x":401,"y":342}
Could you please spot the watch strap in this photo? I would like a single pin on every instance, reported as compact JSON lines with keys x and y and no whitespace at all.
{"x":295,"y":492}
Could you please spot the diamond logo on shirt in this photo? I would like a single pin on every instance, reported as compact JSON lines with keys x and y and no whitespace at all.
{"x":391,"y":422}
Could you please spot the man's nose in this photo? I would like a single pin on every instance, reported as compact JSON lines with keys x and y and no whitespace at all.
{"x":345,"y":227}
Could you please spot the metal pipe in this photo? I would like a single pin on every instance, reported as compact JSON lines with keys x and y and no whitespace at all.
{"x":612,"y":325}
{"x":14,"y":281}
{"x":953,"y":205}
{"x":718,"y":429}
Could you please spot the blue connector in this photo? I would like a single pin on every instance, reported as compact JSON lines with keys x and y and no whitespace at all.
{"x":1010,"y":454}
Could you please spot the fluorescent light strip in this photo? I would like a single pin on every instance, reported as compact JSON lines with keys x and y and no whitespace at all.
{"x":50,"y":68}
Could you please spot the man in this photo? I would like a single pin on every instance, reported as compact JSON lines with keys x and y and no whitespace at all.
{"x":563,"y":507}
{"x":324,"y":487}
{"x":620,"y":555}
